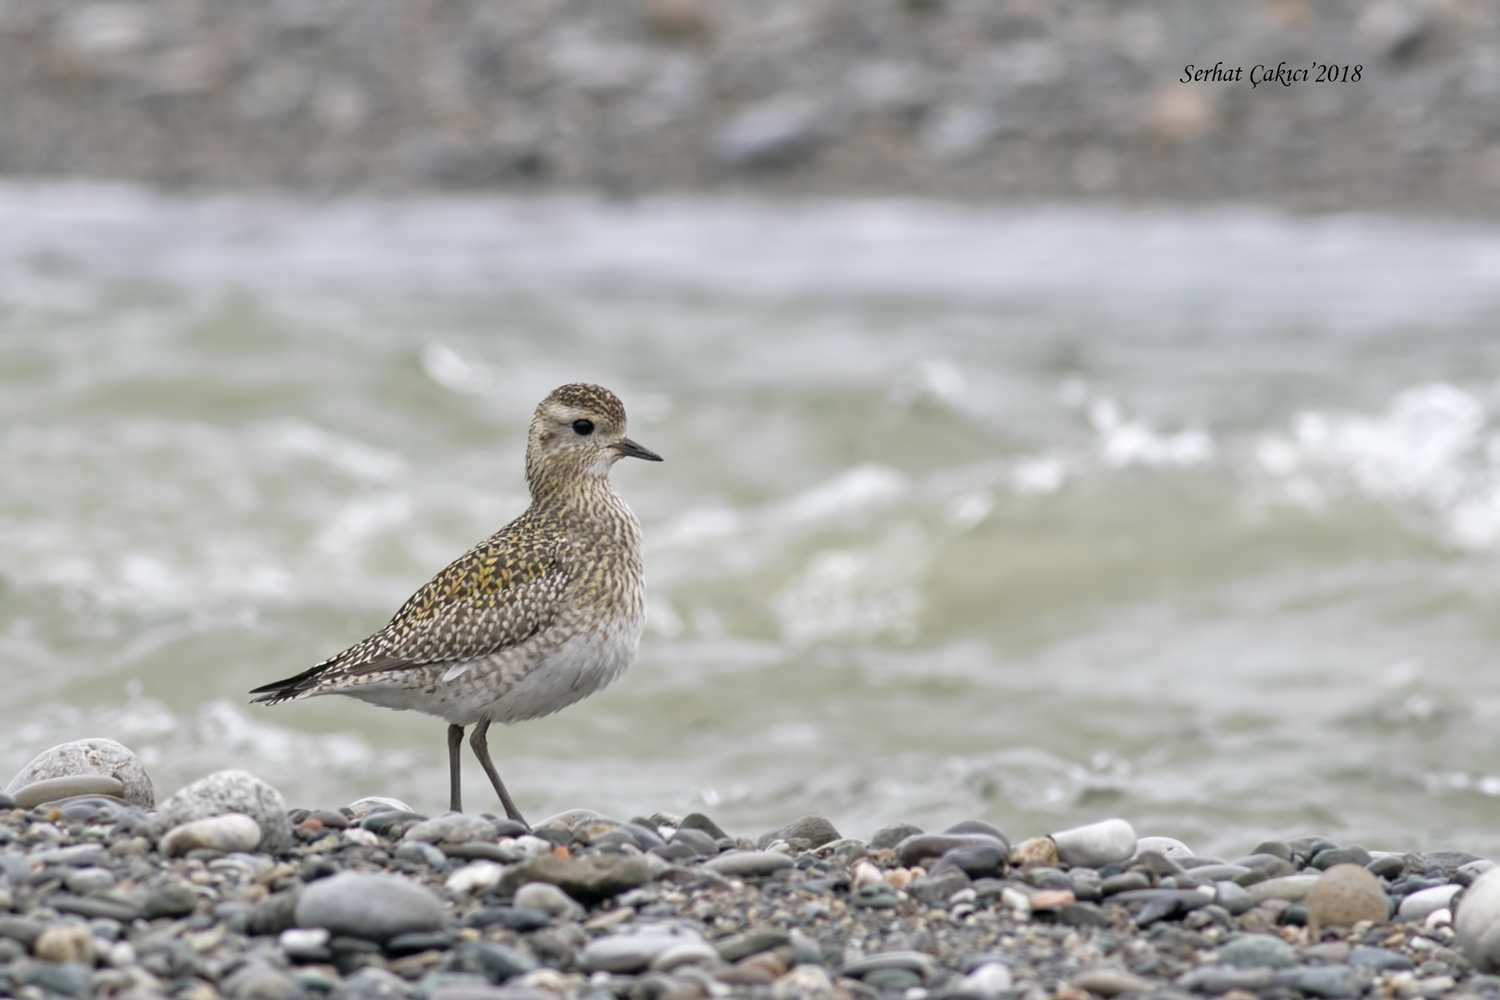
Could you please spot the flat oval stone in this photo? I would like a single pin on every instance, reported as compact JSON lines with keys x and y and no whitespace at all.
{"x":1168,"y":846}
{"x":1096,"y":845}
{"x":1419,"y":905}
{"x":732,"y":949}
{"x":1217,"y":873}
{"x":1293,"y":888}
{"x":453,"y":828}
{"x":228,"y":833}
{"x":816,"y":830}
{"x":917,"y":849}
{"x":910,"y":961}
{"x":544,"y":897}
{"x":749,"y":864}
{"x":634,"y":949}
{"x":369,"y":906}
{"x":52,"y":789}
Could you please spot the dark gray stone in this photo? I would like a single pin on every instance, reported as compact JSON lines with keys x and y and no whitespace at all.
{"x":816,"y":830}
{"x":371,"y":907}
{"x":1332,"y":981}
{"x":1352,"y":855}
{"x":1250,"y":951}
{"x":890,"y":836}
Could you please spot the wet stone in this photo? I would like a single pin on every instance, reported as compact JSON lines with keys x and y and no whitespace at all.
{"x":979,"y":861}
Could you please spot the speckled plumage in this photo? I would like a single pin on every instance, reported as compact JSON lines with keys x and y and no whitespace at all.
{"x":544,"y":612}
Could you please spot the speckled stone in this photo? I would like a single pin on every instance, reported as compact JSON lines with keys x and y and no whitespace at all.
{"x":231,"y":792}
{"x":1341,"y":897}
{"x":96,"y":756}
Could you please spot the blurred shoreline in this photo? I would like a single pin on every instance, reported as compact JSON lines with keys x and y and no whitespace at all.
{"x":961,"y":99}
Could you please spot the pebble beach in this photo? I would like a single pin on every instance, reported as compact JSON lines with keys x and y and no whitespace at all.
{"x":222,"y":890}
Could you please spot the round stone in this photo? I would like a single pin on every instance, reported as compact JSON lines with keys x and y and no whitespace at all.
{"x":1096,"y":845}
{"x":1341,"y":897}
{"x":227,"y":833}
{"x":1257,"y":950}
{"x":96,"y":756}
{"x":231,"y":792}
{"x":369,"y":906}
{"x":1292,"y":888}
{"x":926,"y":846}
{"x":1169,"y":847}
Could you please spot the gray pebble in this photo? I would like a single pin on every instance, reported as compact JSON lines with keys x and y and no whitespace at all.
{"x":369,"y":906}
{"x":910,"y":961}
{"x":1380,"y":959}
{"x":1233,"y":898}
{"x":546,"y":898}
{"x":1214,"y":980}
{"x":890,"y":836}
{"x":371,"y":983}
{"x":749,"y":864}
{"x":1354,"y":855}
{"x":816,"y":830}
{"x":1419,"y":905}
{"x":452,"y":828}
{"x":701,"y":823}
{"x":698,"y":843}
{"x":1257,"y":950}
{"x":46,"y":790}
{"x":634,"y":948}
{"x":732,"y":949}
{"x":1333,"y":981}
{"x":422,"y":853}
{"x":230,"y":832}
{"x":924,"y":846}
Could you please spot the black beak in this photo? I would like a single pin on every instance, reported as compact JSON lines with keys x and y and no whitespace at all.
{"x":630,"y":449}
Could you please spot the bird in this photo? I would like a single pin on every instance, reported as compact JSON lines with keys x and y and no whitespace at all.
{"x":543,"y":613}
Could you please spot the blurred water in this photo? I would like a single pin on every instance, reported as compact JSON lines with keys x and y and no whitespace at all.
{"x":1032,"y":515}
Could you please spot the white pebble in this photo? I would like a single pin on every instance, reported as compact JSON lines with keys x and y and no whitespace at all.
{"x":989,"y":980}
{"x":474,"y":878}
{"x":359,"y":835}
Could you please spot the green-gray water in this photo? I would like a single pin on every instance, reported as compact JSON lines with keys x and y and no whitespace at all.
{"x":1032,"y":515}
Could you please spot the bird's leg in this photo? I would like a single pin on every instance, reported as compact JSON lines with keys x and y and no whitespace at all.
{"x":482,"y":750}
{"x":455,"y":785}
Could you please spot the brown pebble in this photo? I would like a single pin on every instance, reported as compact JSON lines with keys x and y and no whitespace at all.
{"x":1036,"y":851}
{"x":1342,"y":897}
{"x":65,"y":943}
{"x":1110,"y":982}
{"x":1051,"y":899}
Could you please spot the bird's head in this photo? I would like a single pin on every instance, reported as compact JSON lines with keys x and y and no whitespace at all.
{"x":578,"y":430}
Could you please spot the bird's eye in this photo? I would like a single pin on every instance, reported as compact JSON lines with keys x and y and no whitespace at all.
{"x":584,"y":427}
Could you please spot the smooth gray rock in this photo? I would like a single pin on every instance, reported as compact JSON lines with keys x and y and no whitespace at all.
{"x":1096,"y":845}
{"x":774,"y":133}
{"x":1420,"y":904}
{"x":634,"y":948}
{"x":1477,"y":922}
{"x":749,"y":864}
{"x":547,"y":898}
{"x":369,"y":906}
{"x":814,"y":829}
{"x":453,"y":828}
{"x":95,"y":756}
{"x":890,"y":836}
{"x":371,"y":983}
{"x":1249,"y":951}
{"x":231,"y":792}
{"x":1332,"y":981}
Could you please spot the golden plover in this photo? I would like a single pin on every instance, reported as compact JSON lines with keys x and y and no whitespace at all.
{"x":544,"y":612}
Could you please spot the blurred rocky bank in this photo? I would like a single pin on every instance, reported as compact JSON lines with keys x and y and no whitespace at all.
{"x":980,"y":99}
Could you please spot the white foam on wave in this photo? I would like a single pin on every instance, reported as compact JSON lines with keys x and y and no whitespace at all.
{"x":1432,"y":457}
